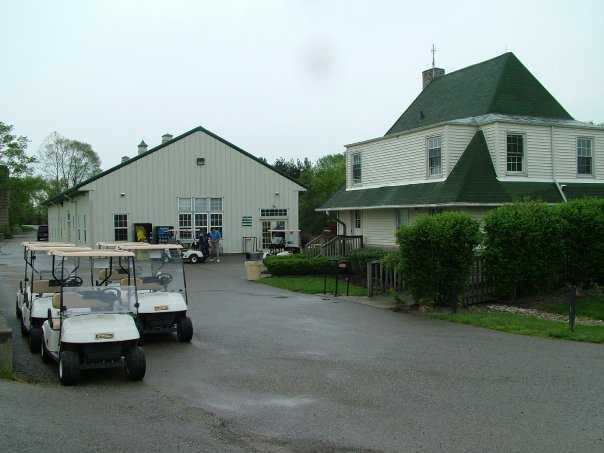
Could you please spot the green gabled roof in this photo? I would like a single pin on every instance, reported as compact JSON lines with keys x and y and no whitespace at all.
{"x":583,"y":190}
{"x":73,"y":190}
{"x":472,"y":181}
{"x":500,"y":85}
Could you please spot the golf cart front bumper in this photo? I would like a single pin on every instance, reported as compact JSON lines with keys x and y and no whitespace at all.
{"x":101,"y":355}
{"x":160,"y":322}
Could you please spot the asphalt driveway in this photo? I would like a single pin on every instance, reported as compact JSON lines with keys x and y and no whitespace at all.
{"x":270,"y":370}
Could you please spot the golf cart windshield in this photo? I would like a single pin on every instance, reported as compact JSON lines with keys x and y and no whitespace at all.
{"x":160,"y":270}
{"x":87,"y":286}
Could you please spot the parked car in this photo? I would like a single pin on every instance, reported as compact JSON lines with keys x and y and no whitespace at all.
{"x":43,"y":233}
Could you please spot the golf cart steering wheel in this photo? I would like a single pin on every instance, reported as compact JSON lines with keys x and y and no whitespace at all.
{"x":74,"y":280}
{"x":164,"y":278}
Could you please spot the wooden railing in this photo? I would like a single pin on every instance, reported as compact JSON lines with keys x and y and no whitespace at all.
{"x":337,"y":246}
{"x":382,"y":279}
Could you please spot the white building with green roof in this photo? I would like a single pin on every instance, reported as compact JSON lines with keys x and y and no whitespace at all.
{"x":472,"y":140}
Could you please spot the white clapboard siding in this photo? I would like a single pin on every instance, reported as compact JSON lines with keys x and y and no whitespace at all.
{"x":153,"y":183}
{"x":394,"y":160}
{"x":457,"y":139}
{"x":491,"y":137}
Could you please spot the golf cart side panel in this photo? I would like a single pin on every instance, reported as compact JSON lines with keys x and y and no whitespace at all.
{"x":40,"y":307}
{"x":159,"y":302}
{"x":51,"y":336}
{"x":99,"y":328}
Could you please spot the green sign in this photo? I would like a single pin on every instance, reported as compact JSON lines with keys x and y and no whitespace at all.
{"x":246,"y":221}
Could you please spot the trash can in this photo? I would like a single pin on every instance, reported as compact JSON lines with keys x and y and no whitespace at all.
{"x":253,"y":270}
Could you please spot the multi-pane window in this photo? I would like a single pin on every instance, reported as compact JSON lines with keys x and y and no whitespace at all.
{"x":184,"y":205}
{"x":216,"y":222}
{"x":584,"y":156}
{"x":273,"y":212}
{"x":356,"y":168}
{"x":434,"y":156}
{"x":185,"y":226}
{"x":515,"y":153}
{"x":357,"y":219}
{"x":202,"y":204}
{"x":120,"y":227}
{"x":201,"y":224}
{"x":215,"y":204}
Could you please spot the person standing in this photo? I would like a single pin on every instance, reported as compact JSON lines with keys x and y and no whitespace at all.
{"x":215,"y":237}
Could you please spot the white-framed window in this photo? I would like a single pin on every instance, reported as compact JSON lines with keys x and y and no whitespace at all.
{"x":357,"y":219}
{"x":356,"y":168}
{"x":585,"y":160}
{"x":201,"y":205}
{"x":434,"y":156}
{"x":515,"y":153}
{"x":215,"y":204}
{"x":184,"y":205}
{"x":273,"y":212}
{"x":120,"y":227}
{"x":185,"y":226}
{"x":201,"y":224}
{"x":216,"y":222}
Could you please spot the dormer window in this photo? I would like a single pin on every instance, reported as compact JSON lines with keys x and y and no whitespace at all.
{"x":434,"y":157}
{"x":515,"y":154}
{"x":584,"y":156}
{"x":356,"y":168}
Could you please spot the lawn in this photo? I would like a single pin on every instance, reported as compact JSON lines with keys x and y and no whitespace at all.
{"x":525,"y":325}
{"x":591,"y":306}
{"x":311,"y":284}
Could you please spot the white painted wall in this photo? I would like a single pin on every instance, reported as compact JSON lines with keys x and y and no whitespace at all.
{"x":153,"y":183}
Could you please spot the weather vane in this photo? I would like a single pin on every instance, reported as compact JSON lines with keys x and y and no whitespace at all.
{"x":433,"y":50}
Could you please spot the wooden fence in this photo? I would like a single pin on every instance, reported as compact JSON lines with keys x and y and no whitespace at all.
{"x":382,"y":279}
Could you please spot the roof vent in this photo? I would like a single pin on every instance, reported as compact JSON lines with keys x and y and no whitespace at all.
{"x":142,"y":147}
{"x":125,"y":159}
{"x":429,"y":75}
{"x":166,"y":138}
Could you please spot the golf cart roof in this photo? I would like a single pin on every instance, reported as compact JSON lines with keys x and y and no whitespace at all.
{"x":147,"y":246}
{"x":91,"y":253}
{"x":45,"y":244}
{"x":113,"y":245}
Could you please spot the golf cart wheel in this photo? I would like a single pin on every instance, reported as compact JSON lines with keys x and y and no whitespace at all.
{"x":136,"y":364}
{"x":69,"y":367}
{"x":35,"y":339}
{"x":184,"y":329}
{"x":194,"y":259}
{"x":46,"y":358}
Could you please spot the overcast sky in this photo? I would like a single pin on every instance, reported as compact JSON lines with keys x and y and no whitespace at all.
{"x":277,"y":78}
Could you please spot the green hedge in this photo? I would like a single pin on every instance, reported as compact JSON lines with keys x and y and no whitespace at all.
{"x":299,"y":265}
{"x":534,"y":247}
{"x":437,"y":253}
{"x":360,"y":257}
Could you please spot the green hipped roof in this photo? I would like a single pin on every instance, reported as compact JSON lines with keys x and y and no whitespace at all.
{"x":500,"y":85}
{"x":472,"y":181}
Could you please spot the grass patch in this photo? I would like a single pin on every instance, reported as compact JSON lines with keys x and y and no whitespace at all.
{"x":310,"y":284}
{"x":591,"y":306}
{"x":525,"y":325}
{"x":6,"y":374}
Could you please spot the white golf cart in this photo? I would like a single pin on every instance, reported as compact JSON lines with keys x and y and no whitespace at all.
{"x":91,"y":322}
{"x":24,"y":287}
{"x":162,"y":289}
{"x":39,"y":292}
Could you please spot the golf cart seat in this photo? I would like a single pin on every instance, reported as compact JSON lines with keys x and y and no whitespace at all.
{"x":124,"y":282}
{"x":70,"y":300}
{"x":43,"y":286}
{"x":114,"y":277}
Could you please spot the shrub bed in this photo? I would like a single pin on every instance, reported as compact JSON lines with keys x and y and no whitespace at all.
{"x":299,"y":265}
{"x":360,"y":257}
{"x":437,"y":253}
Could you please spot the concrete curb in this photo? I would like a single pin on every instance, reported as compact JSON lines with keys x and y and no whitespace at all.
{"x":6,"y":347}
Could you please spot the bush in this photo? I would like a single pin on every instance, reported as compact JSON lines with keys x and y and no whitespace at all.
{"x":360,"y":257}
{"x":523,"y":250}
{"x":392,"y":260}
{"x":437,"y":253}
{"x":582,"y":240}
{"x":299,"y":265}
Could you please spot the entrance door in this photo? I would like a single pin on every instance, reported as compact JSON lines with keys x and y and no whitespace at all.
{"x":269,"y":236}
{"x":355,"y":223}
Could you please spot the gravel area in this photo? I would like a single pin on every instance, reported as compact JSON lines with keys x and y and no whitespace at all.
{"x":541,"y":314}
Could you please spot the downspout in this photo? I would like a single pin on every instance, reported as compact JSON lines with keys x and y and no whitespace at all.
{"x":551,"y":147}
{"x":337,"y":220}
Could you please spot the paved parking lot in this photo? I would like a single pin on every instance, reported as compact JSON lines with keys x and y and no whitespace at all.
{"x":270,"y":370}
